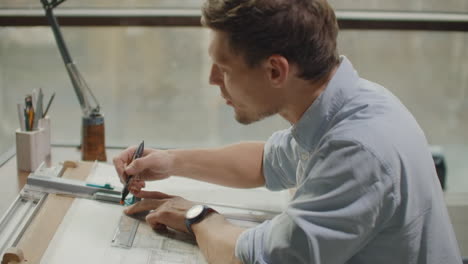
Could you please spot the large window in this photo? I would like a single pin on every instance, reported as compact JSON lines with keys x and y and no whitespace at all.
{"x":152,"y":81}
{"x":152,"y":84}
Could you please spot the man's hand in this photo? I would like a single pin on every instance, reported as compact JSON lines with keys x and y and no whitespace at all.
{"x":215,"y":235}
{"x":153,"y":165}
{"x":165,"y":210}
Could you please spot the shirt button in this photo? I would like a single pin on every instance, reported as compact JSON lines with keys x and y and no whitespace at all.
{"x":304,"y":155}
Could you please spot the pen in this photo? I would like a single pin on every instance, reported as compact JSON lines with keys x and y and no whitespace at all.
{"x":48,"y":105}
{"x":38,"y":109}
{"x":137,"y":154}
{"x":34,"y":98}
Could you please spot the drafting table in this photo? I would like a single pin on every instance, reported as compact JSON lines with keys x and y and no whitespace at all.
{"x":46,"y":231}
{"x":11,"y":182}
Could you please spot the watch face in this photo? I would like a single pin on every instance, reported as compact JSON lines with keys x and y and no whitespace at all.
{"x":195,"y":211}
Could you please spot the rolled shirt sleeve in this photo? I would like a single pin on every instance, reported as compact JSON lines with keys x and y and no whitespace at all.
{"x":345,"y":198}
{"x":279,"y":159}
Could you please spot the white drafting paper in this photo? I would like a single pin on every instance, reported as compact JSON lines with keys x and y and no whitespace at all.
{"x":87,"y":229}
{"x":86,"y":232}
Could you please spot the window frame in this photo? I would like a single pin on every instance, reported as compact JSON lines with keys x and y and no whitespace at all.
{"x":347,"y":19}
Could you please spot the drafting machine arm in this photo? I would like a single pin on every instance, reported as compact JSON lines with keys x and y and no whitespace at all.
{"x":79,"y":84}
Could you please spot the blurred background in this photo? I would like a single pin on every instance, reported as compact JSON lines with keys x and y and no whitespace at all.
{"x":151,"y":78}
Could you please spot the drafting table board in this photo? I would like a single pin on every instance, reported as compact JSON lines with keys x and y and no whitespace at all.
{"x":11,"y":181}
{"x":85,"y":233}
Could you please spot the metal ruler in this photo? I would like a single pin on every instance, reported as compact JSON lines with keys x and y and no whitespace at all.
{"x":39,"y":184}
{"x":125,"y":232}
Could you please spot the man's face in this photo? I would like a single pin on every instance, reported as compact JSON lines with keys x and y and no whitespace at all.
{"x":246,"y":89}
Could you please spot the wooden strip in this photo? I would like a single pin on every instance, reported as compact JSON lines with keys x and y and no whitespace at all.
{"x":41,"y":231}
{"x":37,"y":237}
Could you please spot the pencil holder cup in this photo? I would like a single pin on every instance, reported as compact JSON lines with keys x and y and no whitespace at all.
{"x":33,"y":147}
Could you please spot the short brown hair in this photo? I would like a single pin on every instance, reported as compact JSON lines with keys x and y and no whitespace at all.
{"x":303,"y":31}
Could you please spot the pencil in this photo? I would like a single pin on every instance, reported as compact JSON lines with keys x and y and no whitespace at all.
{"x":29,"y":109}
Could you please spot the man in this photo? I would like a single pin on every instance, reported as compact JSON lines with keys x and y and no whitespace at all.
{"x":367,"y":190}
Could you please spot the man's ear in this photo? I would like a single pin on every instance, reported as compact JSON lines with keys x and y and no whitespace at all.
{"x":277,"y":68}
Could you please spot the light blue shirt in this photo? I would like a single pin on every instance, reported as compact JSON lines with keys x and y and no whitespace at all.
{"x":367,"y":189}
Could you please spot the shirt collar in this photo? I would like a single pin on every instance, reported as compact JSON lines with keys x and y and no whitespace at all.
{"x":315,"y":121}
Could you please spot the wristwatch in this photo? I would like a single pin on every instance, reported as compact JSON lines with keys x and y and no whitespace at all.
{"x":196,"y":214}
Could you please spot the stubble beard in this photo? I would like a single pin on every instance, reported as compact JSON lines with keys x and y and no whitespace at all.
{"x":246,"y":118}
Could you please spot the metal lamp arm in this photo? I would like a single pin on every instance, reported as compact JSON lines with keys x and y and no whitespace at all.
{"x":79,"y":84}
